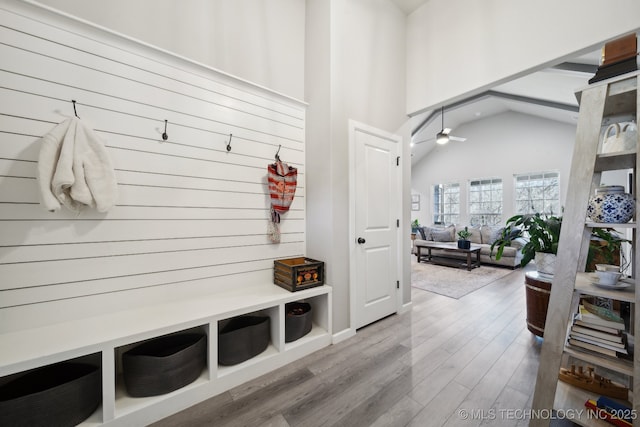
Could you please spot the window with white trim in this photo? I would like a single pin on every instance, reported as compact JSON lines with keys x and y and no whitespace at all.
{"x":538,"y":193}
{"x":446,"y":203}
{"x":485,"y":201}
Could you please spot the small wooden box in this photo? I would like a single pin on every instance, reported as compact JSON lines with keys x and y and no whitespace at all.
{"x":620,"y":49}
{"x":295,"y":274}
{"x":618,"y":57}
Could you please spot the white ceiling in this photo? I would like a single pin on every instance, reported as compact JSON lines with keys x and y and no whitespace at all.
{"x":549,"y":93}
{"x":408,"y":6}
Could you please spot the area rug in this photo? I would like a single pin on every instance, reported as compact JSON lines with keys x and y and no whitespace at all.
{"x":453,"y":282}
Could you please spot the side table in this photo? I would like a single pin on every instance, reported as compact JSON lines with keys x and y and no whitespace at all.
{"x":537,"y":291}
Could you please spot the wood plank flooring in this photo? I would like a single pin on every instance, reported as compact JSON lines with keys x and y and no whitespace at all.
{"x":447,"y":362}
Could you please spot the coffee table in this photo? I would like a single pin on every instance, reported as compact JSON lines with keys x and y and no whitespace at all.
{"x":449,"y":247}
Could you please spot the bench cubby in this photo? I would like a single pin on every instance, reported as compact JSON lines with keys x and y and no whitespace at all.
{"x":243,"y":337}
{"x":103,"y":340}
{"x":319,"y":324}
{"x":62,"y":393}
{"x":297,"y":320}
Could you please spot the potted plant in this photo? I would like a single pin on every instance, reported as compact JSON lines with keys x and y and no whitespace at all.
{"x":509,"y":233}
{"x":463,"y":239}
{"x":542,"y":234}
{"x":605,"y":247}
{"x":415,"y":225}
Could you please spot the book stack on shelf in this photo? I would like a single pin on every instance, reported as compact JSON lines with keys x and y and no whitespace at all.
{"x":599,"y":330}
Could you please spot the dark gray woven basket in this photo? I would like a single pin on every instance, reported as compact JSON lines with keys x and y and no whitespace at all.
{"x":64,"y":394}
{"x":297,"y":320}
{"x":164,"y":364}
{"x":243,"y":338}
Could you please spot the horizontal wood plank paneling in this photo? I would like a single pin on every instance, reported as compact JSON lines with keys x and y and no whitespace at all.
{"x":191,"y":217}
{"x":115,"y":248}
{"x":119,"y":53}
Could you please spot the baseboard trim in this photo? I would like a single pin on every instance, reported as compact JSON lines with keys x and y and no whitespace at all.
{"x":343,"y":335}
{"x":406,"y":307}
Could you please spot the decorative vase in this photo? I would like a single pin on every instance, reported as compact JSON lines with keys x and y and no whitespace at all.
{"x":611,"y":204}
{"x":545,"y":264}
{"x":624,"y":138}
{"x":630,"y":136}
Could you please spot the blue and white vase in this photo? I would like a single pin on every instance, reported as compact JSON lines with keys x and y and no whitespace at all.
{"x":611,"y":204}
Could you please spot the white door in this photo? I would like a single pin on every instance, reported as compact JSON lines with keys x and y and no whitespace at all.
{"x":375,"y":213}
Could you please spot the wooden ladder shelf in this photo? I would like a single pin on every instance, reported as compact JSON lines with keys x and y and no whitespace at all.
{"x":605,"y":102}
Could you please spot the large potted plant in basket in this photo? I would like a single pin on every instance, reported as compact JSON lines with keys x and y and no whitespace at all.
{"x":542,"y":234}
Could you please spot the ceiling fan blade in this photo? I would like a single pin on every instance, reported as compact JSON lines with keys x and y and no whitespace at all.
{"x":457,"y":138}
{"x":451,"y":138}
{"x":424,"y":140}
{"x":446,"y":131}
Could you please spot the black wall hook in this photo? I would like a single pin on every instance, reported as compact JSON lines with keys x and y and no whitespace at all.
{"x":73,"y":101}
{"x":229,"y":143}
{"x":278,"y":153}
{"x":164,"y":134}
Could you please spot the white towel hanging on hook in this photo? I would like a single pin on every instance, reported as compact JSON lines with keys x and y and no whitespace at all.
{"x":74,"y":169}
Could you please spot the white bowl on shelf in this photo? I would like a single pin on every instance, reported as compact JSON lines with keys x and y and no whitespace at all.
{"x":608,"y":278}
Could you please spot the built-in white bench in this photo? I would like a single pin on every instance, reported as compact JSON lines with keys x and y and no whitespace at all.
{"x":102,"y":339}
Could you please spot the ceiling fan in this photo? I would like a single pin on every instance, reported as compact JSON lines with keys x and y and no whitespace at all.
{"x":444,"y":135}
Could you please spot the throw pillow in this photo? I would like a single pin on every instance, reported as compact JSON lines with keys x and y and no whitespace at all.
{"x":452,"y":232}
{"x":423,"y":235}
{"x":514,"y":233}
{"x":490,"y":233}
{"x":441,"y":236}
{"x":427,"y":232}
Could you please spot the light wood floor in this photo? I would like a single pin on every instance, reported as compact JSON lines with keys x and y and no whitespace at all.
{"x":446,"y":362}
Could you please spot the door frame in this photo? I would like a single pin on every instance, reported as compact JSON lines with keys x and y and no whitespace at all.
{"x":353,"y":127}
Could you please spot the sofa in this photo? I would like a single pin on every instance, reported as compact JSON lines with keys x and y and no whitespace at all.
{"x":483,"y":235}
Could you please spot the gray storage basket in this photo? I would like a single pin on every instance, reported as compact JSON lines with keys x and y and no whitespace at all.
{"x":64,"y":394}
{"x":164,"y":364}
{"x":297,"y":320}
{"x":242,"y":338}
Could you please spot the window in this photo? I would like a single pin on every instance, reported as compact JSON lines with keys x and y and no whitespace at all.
{"x":446,"y":203}
{"x":485,"y":201}
{"x":538,"y":193}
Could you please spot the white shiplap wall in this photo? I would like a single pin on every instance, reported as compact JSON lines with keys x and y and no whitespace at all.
{"x":191,"y":218}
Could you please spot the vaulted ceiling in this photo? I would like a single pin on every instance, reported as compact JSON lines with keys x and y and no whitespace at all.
{"x":548,"y":93}
{"x":408,"y":6}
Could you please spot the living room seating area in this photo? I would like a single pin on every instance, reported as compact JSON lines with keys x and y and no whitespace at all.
{"x":483,"y":235}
